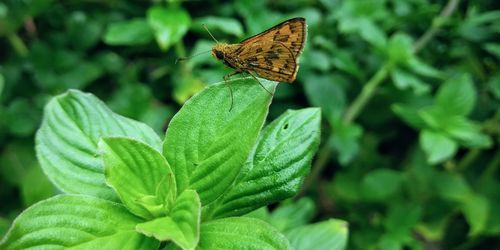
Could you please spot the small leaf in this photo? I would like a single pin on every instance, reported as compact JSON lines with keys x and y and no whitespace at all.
{"x":169,"y":24}
{"x":345,"y":141}
{"x":76,"y":222}
{"x":399,"y":49}
{"x":66,"y":142}
{"x":373,"y":189}
{"x":330,"y":234}
{"x":476,"y":210}
{"x":437,"y":147}
{"x":325,"y":92}
{"x":409,"y":115}
{"x":207,"y":144}
{"x":452,"y":186}
{"x":227,"y":25}
{"x":457,"y":96}
{"x":137,"y":171}
{"x":292,"y":215}
{"x":132,"y":32}
{"x":240,"y":233}
{"x":404,"y":80}
{"x":281,"y":160}
{"x":466,"y":132}
{"x":182,"y":226}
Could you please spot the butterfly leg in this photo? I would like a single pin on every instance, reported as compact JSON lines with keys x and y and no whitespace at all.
{"x":260,"y":83}
{"x":226,"y":78}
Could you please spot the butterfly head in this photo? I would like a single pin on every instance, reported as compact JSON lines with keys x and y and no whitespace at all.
{"x":218,"y":51}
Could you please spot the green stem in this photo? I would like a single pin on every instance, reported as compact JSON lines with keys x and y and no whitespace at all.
{"x":469,"y":158}
{"x":18,"y":44}
{"x":366,"y":93}
{"x":439,"y":21}
{"x":492,"y":166}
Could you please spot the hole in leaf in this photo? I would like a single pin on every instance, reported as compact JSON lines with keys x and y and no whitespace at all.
{"x":286,"y":126}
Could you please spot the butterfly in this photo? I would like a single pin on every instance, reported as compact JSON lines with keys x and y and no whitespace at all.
{"x":272,"y":54}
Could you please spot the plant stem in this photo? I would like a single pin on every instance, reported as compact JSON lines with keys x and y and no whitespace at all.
{"x":366,"y":93}
{"x":468,"y":159}
{"x":18,"y":44}
{"x":436,"y":25}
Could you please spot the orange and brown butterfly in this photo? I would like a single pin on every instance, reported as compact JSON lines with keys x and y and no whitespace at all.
{"x":272,"y":54}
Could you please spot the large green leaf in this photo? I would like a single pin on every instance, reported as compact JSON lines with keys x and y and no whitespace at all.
{"x":76,"y":222}
{"x":281,"y":160}
{"x":240,"y":233}
{"x":139,"y":174}
{"x":182,"y":226}
{"x":330,"y":234}
{"x":66,"y":142}
{"x":206,"y":143}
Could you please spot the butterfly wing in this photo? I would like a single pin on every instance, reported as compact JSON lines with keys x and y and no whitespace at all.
{"x":270,"y":60}
{"x":291,"y":33}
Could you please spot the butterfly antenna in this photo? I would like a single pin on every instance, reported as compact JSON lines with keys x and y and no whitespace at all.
{"x":189,"y":57}
{"x":205,"y":26}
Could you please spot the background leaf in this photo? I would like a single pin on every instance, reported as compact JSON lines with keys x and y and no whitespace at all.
{"x":207,"y":144}
{"x":132,"y":32}
{"x":330,"y":234}
{"x":169,"y":24}
{"x":78,"y":222}
{"x":237,"y":233}
{"x":66,"y":142}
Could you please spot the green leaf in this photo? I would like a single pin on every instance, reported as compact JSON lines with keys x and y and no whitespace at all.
{"x":476,"y":210}
{"x":139,"y":174}
{"x":35,"y":186}
{"x":345,"y":141}
{"x":331,"y":234}
{"x":281,"y":160}
{"x":409,"y":115}
{"x":240,"y":233}
{"x":169,"y":24}
{"x":207,"y":144}
{"x":404,"y":80}
{"x":292,"y":215}
{"x":466,"y":132}
{"x":457,"y":95}
{"x":325,"y":92}
{"x":452,"y":187}
{"x":399,"y":49}
{"x":380,"y":184}
{"x":415,"y":65}
{"x":76,"y":222}
{"x":131,"y":32}
{"x":437,"y":146}
{"x":227,"y":25}
{"x":66,"y":142}
{"x":182,"y":226}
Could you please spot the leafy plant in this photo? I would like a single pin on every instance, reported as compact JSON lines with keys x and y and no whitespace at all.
{"x":124,"y":187}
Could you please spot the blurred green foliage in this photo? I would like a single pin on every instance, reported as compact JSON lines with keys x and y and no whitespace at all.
{"x":410,"y":93}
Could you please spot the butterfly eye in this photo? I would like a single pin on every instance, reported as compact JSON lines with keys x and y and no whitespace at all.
{"x":219,"y":55}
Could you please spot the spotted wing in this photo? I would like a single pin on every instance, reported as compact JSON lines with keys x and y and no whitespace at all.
{"x":270,"y":60}
{"x":291,"y":33}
